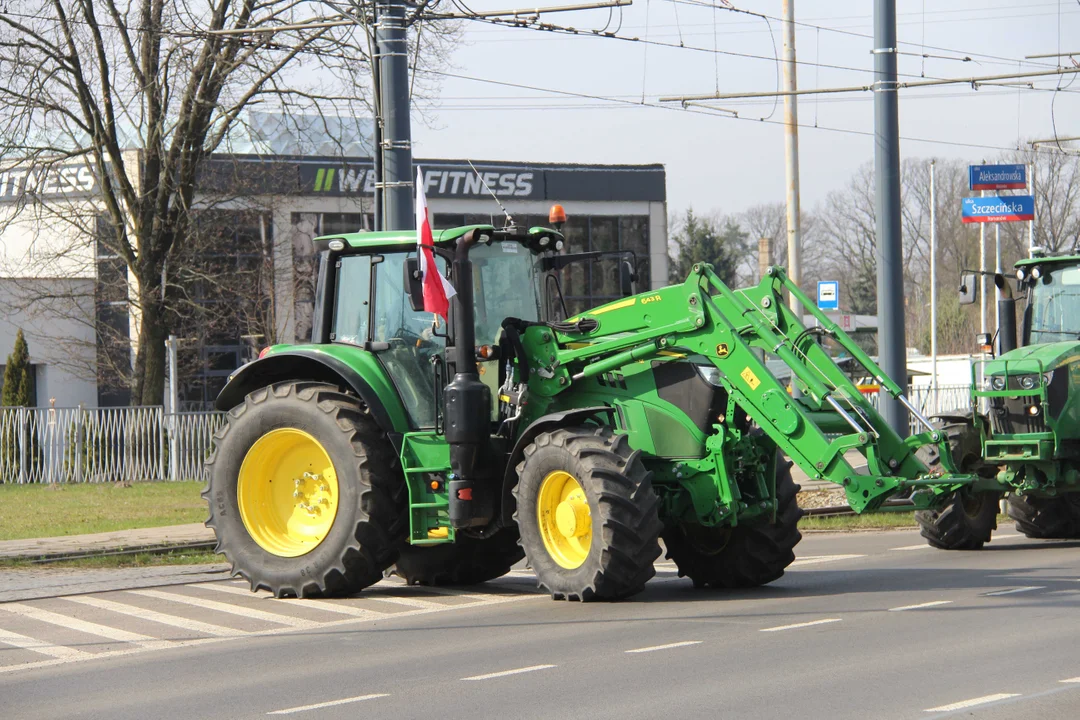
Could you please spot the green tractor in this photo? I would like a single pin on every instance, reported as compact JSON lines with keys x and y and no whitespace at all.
{"x":447,"y":453}
{"x":1023,"y":426}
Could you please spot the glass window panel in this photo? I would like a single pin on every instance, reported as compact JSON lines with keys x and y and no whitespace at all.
{"x":351,"y":304}
{"x":448,"y":220}
{"x":339,"y":223}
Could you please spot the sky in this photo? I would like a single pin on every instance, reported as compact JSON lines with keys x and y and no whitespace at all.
{"x":524,"y":94}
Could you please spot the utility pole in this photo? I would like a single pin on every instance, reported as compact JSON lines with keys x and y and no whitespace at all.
{"x":392,"y":55}
{"x":933,"y":288}
{"x":892,"y":343}
{"x":791,"y":153}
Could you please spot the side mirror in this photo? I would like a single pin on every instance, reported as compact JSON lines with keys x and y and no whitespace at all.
{"x":413,"y":283}
{"x":969,"y":288}
{"x":626,"y":279}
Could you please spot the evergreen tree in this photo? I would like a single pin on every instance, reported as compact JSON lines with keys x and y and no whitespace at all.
{"x":705,"y":240}
{"x":17,"y":384}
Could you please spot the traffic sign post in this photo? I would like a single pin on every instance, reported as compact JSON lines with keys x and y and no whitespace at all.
{"x":997,"y":177}
{"x":828,"y":295}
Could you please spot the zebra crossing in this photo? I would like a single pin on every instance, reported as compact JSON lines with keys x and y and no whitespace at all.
{"x":81,"y":628}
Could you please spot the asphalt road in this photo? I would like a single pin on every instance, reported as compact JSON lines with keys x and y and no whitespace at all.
{"x":868,"y":625}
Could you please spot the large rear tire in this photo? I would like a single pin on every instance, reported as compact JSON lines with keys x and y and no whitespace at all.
{"x":335,"y":517}
{"x":587,"y":514}
{"x":1046,"y":518}
{"x":468,"y":561}
{"x":743,"y":556}
{"x":966,"y":520}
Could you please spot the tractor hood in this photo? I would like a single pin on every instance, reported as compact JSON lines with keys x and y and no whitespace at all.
{"x":1035,"y":358}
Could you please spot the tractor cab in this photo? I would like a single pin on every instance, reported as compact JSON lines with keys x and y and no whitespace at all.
{"x":369,"y":296}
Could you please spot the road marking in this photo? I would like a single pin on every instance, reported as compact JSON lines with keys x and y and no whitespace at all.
{"x":229,"y":609}
{"x":154,"y":616}
{"x":801,"y":625}
{"x":665,"y":647}
{"x":1071,"y":680}
{"x":408,"y":602}
{"x":1000,"y":536}
{"x":973,"y":702}
{"x":40,"y":646}
{"x":818,"y":559}
{"x":322,"y":605}
{"x":921,"y":546}
{"x":935,"y":603}
{"x":504,"y":673}
{"x":83,"y":626}
{"x":332,"y":703}
{"x":1014,"y":591}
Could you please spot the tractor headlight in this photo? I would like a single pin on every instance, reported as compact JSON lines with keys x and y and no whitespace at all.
{"x":1027,"y":382}
{"x":709,"y":373}
{"x":997,"y":382}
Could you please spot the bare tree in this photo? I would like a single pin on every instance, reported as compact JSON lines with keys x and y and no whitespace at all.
{"x":140,"y":94}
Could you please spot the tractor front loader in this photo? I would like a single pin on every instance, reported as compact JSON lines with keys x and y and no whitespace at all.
{"x":445,"y":453}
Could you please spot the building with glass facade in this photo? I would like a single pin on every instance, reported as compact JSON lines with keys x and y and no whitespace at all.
{"x":245,"y":278}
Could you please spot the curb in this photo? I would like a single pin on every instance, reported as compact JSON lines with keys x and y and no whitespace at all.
{"x":154,"y":549}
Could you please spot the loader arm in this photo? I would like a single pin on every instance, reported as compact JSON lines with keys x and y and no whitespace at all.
{"x":733,"y":330}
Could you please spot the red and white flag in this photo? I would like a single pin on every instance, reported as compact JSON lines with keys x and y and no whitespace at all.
{"x":437,"y":289}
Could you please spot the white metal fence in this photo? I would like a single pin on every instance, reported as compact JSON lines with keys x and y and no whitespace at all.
{"x":63,"y":445}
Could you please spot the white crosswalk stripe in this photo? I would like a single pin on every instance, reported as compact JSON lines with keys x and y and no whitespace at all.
{"x":229,"y":609}
{"x":40,"y":646}
{"x":158,"y":617}
{"x":84,"y":626}
{"x":320,"y":605}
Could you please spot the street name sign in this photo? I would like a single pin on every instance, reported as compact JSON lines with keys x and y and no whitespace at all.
{"x":997,"y":177}
{"x":828,"y":295}
{"x":996,"y":208}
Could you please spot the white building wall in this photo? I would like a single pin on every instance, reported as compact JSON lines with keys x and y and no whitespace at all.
{"x":60,"y":338}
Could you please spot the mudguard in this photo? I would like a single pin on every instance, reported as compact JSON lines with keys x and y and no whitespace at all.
{"x":550,"y":421}
{"x":309,"y":364}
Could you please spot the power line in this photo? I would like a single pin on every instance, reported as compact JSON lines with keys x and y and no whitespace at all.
{"x":677,"y":108}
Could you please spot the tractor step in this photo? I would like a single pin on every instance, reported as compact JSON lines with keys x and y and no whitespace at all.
{"x":425,"y":460}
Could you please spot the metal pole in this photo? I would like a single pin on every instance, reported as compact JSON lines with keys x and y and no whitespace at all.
{"x":1031,"y":223}
{"x":892,"y":344}
{"x":933,"y":288}
{"x":393,"y":56}
{"x":997,"y":247}
{"x":982,"y":273}
{"x":791,"y":153}
{"x":174,"y":406}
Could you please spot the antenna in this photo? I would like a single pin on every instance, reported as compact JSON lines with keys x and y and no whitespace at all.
{"x":509,"y":217}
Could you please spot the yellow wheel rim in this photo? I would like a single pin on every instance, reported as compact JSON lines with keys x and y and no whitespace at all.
{"x":564,"y":519}
{"x":287,"y":492}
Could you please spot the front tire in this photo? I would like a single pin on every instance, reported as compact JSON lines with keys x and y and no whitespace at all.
{"x":587,"y":514}
{"x":1046,"y":518}
{"x":966,"y":520}
{"x":334,"y":519}
{"x":743,"y":556}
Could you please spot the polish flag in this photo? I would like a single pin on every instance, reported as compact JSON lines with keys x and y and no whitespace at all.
{"x":437,"y":289}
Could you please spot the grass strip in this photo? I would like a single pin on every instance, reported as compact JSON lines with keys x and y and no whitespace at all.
{"x":35,"y":511}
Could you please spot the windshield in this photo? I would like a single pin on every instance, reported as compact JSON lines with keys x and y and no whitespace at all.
{"x":1054,"y":304}
{"x":505,"y":285}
